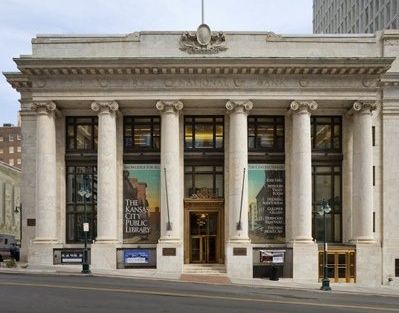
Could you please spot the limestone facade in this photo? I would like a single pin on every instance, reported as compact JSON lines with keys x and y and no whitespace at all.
{"x":259,"y":74}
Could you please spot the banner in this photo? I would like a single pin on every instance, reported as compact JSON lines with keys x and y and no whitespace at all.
{"x":141,"y":200}
{"x":266,"y":190}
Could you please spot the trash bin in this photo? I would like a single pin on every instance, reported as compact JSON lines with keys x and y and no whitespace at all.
{"x":274,"y":273}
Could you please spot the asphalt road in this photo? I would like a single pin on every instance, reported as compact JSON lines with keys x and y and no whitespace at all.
{"x":20,"y":293}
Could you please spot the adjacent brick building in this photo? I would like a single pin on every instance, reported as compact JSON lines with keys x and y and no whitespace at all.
{"x":10,"y":145}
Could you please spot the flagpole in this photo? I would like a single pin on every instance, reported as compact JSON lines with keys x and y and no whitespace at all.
{"x":202,"y":11}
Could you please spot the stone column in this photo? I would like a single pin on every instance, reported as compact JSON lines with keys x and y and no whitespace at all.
{"x":104,"y":250}
{"x":238,"y":246}
{"x":362,"y":191}
{"x":45,"y":239}
{"x":46,"y":173}
{"x":368,"y":251}
{"x":170,"y":252}
{"x":301,"y":192}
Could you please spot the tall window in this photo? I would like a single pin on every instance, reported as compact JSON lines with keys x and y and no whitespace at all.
{"x":81,"y":134}
{"x":81,"y":177}
{"x":326,"y":183}
{"x":326,"y":132}
{"x":81,"y":201}
{"x":203,"y":133}
{"x":203,"y":181}
{"x":142,"y":133}
{"x":266,"y":133}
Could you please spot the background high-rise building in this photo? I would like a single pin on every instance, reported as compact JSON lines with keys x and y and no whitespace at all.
{"x":354,"y":16}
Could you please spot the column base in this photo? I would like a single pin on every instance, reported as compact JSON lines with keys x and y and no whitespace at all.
{"x":239,"y":262}
{"x":170,"y":258}
{"x":368,"y":264}
{"x":305,"y":260}
{"x":40,"y":252}
{"x":103,"y":255}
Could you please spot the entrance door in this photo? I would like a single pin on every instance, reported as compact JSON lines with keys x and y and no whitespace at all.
{"x":340,"y":265}
{"x":203,"y":237}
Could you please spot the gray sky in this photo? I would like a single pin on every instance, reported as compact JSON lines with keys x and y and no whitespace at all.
{"x":21,"y":20}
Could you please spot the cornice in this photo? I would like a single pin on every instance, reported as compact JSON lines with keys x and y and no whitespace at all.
{"x":207,"y":66}
{"x":390,"y":80}
{"x":18,"y":81}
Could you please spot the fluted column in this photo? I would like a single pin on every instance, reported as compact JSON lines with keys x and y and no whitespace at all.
{"x":170,"y":165}
{"x":107,"y":200}
{"x":238,"y":164}
{"x":46,"y":172}
{"x":301,"y":169}
{"x":362,"y":192}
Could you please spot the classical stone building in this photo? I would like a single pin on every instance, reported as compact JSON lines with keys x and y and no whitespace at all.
{"x":183,"y":149}
{"x":10,"y":209}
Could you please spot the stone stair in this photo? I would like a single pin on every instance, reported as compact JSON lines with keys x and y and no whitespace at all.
{"x":208,"y":273}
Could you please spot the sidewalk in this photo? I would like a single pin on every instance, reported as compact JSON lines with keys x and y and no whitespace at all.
{"x":285,"y":283}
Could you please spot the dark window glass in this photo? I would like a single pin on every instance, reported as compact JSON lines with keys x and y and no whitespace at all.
{"x":326,"y":133}
{"x":81,"y":202}
{"x":203,"y":133}
{"x":141,"y":133}
{"x":396,"y":267}
{"x":266,"y":133}
{"x":326,"y":181}
{"x":202,"y":181}
{"x":81,"y":134}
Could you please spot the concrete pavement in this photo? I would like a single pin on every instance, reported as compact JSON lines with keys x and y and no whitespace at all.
{"x":152,"y":274}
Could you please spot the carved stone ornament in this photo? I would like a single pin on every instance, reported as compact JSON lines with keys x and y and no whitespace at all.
{"x":303,"y":106}
{"x":105,"y":106}
{"x":364,"y":106}
{"x":203,"y":193}
{"x":44,"y":107}
{"x":203,"y":41}
{"x":169,"y":106}
{"x":239,"y":106}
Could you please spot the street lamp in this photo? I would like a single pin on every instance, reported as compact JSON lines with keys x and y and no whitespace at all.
{"x":85,"y":193}
{"x":323,"y":210}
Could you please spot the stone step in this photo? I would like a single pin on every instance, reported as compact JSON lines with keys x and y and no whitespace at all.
{"x":205,"y":269}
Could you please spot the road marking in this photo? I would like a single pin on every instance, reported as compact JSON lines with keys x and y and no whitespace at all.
{"x":199,"y":296}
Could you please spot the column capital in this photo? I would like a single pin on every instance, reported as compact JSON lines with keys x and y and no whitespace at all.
{"x":104,"y":106}
{"x":303,"y":106}
{"x":43,"y":107}
{"x":239,"y":106}
{"x":363,"y":107}
{"x":169,"y":106}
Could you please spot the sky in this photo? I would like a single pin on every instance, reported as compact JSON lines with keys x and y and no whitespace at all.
{"x":21,"y":20}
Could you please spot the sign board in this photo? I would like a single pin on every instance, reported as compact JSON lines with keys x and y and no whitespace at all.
{"x":271,"y":256}
{"x":240,"y":251}
{"x":141,"y":203}
{"x":136,"y":256}
{"x":169,"y":251}
{"x":86,"y":227}
{"x":266,"y":223}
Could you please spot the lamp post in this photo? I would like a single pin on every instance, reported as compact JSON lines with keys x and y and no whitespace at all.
{"x":18,"y":209}
{"x":323,"y":210}
{"x":85,"y":193}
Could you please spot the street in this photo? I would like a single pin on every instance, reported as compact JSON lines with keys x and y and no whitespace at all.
{"x":20,"y":293}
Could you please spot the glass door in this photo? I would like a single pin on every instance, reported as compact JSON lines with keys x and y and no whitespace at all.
{"x":203,"y":237}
